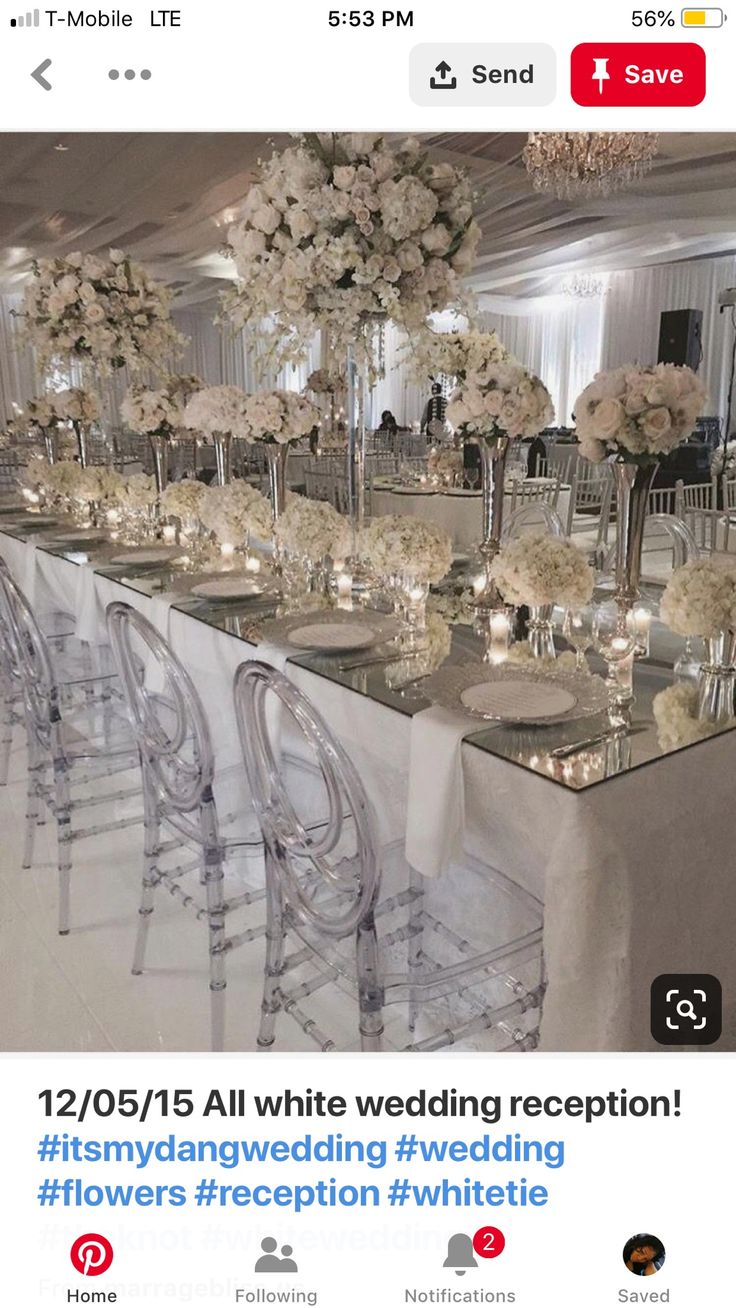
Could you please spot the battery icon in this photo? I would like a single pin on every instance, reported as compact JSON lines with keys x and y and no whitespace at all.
{"x":702,"y":18}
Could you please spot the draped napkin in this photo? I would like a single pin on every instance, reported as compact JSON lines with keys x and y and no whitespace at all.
{"x":436,"y":802}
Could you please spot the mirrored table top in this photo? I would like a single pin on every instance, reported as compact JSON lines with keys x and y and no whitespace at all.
{"x":577,"y":753}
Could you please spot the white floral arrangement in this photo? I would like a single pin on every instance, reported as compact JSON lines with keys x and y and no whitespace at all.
{"x":313,"y":530}
{"x":41,"y":413}
{"x":137,"y":492}
{"x":396,"y":545}
{"x":500,"y":399}
{"x":676,"y":715}
{"x":639,"y":414}
{"x":279,"y":417}
{"x":453,"y":354}
{"x":94,"y":485}
{"x":700,"y":598}
{"x":217,"y":411}
{"x":58,"y":480}
{"x":520,"y":655}
{"x":536,"y":570}
{"x":724,"y":460}
{"x":159,"y":412}
{"x":184,"y":499}
{"x":77,"y":405}
{"x":347,"y":229}
{"x":442,"y":463}
{"x":325,"y":382}
{"x":108,"y":311}
{"x":235,"y":512}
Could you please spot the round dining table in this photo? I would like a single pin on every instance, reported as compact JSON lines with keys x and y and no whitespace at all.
{"x":456,"y":510}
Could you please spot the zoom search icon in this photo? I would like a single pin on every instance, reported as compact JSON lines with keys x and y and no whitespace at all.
{"x":91,"y":1255}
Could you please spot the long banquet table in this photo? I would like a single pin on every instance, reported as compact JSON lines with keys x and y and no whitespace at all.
{"x":635,"y":863}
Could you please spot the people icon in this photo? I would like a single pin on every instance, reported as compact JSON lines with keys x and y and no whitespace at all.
{"x":269,"y":1260}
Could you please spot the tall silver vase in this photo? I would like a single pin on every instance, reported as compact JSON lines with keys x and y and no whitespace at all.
{"x":277,"y":454}
{"x":51,"y":444}
{"x":160,"y":451}
{"x":80,"y":432}
{"x":223,"y":457}
{"x":717,"y":680}
{"x":633,"y":484}
{"x":356,"y":401}
{"x":493,"y":453}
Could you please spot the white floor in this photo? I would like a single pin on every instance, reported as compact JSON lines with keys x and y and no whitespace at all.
{"x":77,"y":993}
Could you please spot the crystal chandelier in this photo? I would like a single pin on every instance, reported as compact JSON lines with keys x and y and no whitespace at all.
{"x":578,"y":164}
{"x":584,"y":286}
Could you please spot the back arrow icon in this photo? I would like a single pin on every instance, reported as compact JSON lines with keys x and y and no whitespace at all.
{"x":38,"y":74}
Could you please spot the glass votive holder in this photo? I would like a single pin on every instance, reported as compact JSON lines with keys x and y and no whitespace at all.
{"x":638,"y":625}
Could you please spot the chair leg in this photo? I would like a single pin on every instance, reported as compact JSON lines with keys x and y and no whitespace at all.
{"x":62,"y":809}
{"x":33,"y":806}
{"x":6,"y":735}
{"x":213,"y":881}
{"x":370,"y":991}
{"x":275,"y":951}
{"x":416,"y":942}
{"x":151,"y":840}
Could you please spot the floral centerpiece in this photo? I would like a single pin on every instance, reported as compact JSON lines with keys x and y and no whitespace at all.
{"x":96,"y":485}
{"x":638,"y":415}
{"x":323,"y":381}
{"x":542,"y":571}
{"x":445,"y":465}
{"x":398,"y":545}
{"x":456,"y":355}
{"x":236,"y":512}
{"x":312,"y":530}
{"x":138,"y":493}
{"x":81,"y":408}
{"x":676,"y":713}
{"x":276,"y":419}
{"x":105,"y":311}
{"x":159,"y":414}
{"x":723,"y":461}
{"x":348,"y":229}
{"x":329,"y":386}
{"x":40,"y":417}
{"x":494,"y":403}
{"x":184,"y":500}
{"x":700,"y":600}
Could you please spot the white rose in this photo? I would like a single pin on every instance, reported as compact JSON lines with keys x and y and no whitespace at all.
{"x":437,"y":239}
{"x":656,"y":423}
{"x":117,"y":256}
{"x":344,"y":177}
{"x":266,"y":219}
{"x":608,"y":419}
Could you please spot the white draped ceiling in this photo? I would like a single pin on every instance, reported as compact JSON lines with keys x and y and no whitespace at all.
{"x":668,"y":242}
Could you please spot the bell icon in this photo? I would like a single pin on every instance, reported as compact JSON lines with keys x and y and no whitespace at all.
{"x":460,"y":1254}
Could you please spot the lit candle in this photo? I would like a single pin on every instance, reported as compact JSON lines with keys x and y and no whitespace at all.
{"x":499,"y":630}
{"x":344,"y":590}
{"x":227,"y":550}
{"x":639,"y":622}
{"x":169,"y":534}
{"x":112,"y":517}
{"x":252,"y":564}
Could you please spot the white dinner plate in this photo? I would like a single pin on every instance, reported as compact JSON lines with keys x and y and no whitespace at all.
{"x":78,"y":533}
{"x":414,"y":490}
{"x":335,"y":636}
{"x":159,"y":555}
{"x":228,"y":588}
{"x":518,"y":700}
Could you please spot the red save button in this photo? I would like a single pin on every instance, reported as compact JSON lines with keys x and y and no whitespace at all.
{"x":637,"y":73}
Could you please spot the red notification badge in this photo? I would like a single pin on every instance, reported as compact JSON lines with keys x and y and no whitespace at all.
{"x":489,"y":1242}
{"x":645,"y":74}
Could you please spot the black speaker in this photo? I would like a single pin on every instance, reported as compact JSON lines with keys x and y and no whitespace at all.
{"x":681,"y":337}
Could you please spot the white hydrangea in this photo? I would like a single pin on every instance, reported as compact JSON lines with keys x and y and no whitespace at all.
{"x":346,"y":230}
{"x":184,"y":499}
{"x":312,"y":529}
{"x":535,"y":569}
{"x":137,"y":492}
{"x":105,"y":311}
{"x":676,"y":715}
{"x":397,"y":545}
{"x":76,"y":405}
{"x":642,"y":412}
{"x":700,"y":598}
{"x":453,"y":354}
{"x":159,"y":412}
{"x":94,"y":485}
{"x":235,"y":512}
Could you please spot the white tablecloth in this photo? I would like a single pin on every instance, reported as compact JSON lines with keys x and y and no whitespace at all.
{"x":637,"y":874}
{"x":459,"y":514}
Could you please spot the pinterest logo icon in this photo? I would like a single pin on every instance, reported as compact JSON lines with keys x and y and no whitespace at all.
{"x":91,"y":1255}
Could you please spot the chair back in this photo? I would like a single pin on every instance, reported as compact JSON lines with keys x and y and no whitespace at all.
{"x":529,"y":516}
{"x":348,"y":886}
{"x":170,"y":727}
{"x":27,"y":660}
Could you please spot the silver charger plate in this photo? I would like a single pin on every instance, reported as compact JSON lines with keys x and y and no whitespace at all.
{"x":332,"y":631}
{"x":554,"y":695}
{"x":229,"y":588}
{"x":150,"y":554}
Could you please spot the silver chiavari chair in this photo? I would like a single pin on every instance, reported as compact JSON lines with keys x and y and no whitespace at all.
{"x":530,"y":492}
{"x":333,"y":920}
{"x":697,"y":506}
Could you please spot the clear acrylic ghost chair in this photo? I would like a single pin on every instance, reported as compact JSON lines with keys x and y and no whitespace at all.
{"x":75,"y":740}
{"x":328,"y":891}
{"x":178,"y":770}
{"x":682,"y":542}
{"x":530,"y":517}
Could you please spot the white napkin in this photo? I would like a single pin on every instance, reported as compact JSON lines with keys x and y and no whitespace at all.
{"x":86,"y":605}
{"x":28,"y":578}
{"x":435,"y":817}
{"x":159,"y":610}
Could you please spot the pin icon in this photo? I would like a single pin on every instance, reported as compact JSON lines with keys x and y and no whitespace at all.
{"x":91,"y":1255}
{"x":601,"y":73}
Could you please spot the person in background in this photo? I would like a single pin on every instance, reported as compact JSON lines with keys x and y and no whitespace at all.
{"x":644,"y":1254}
{"x":389,"y":423}
{"x":537,"y":451}
{"x":433,"y":418}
